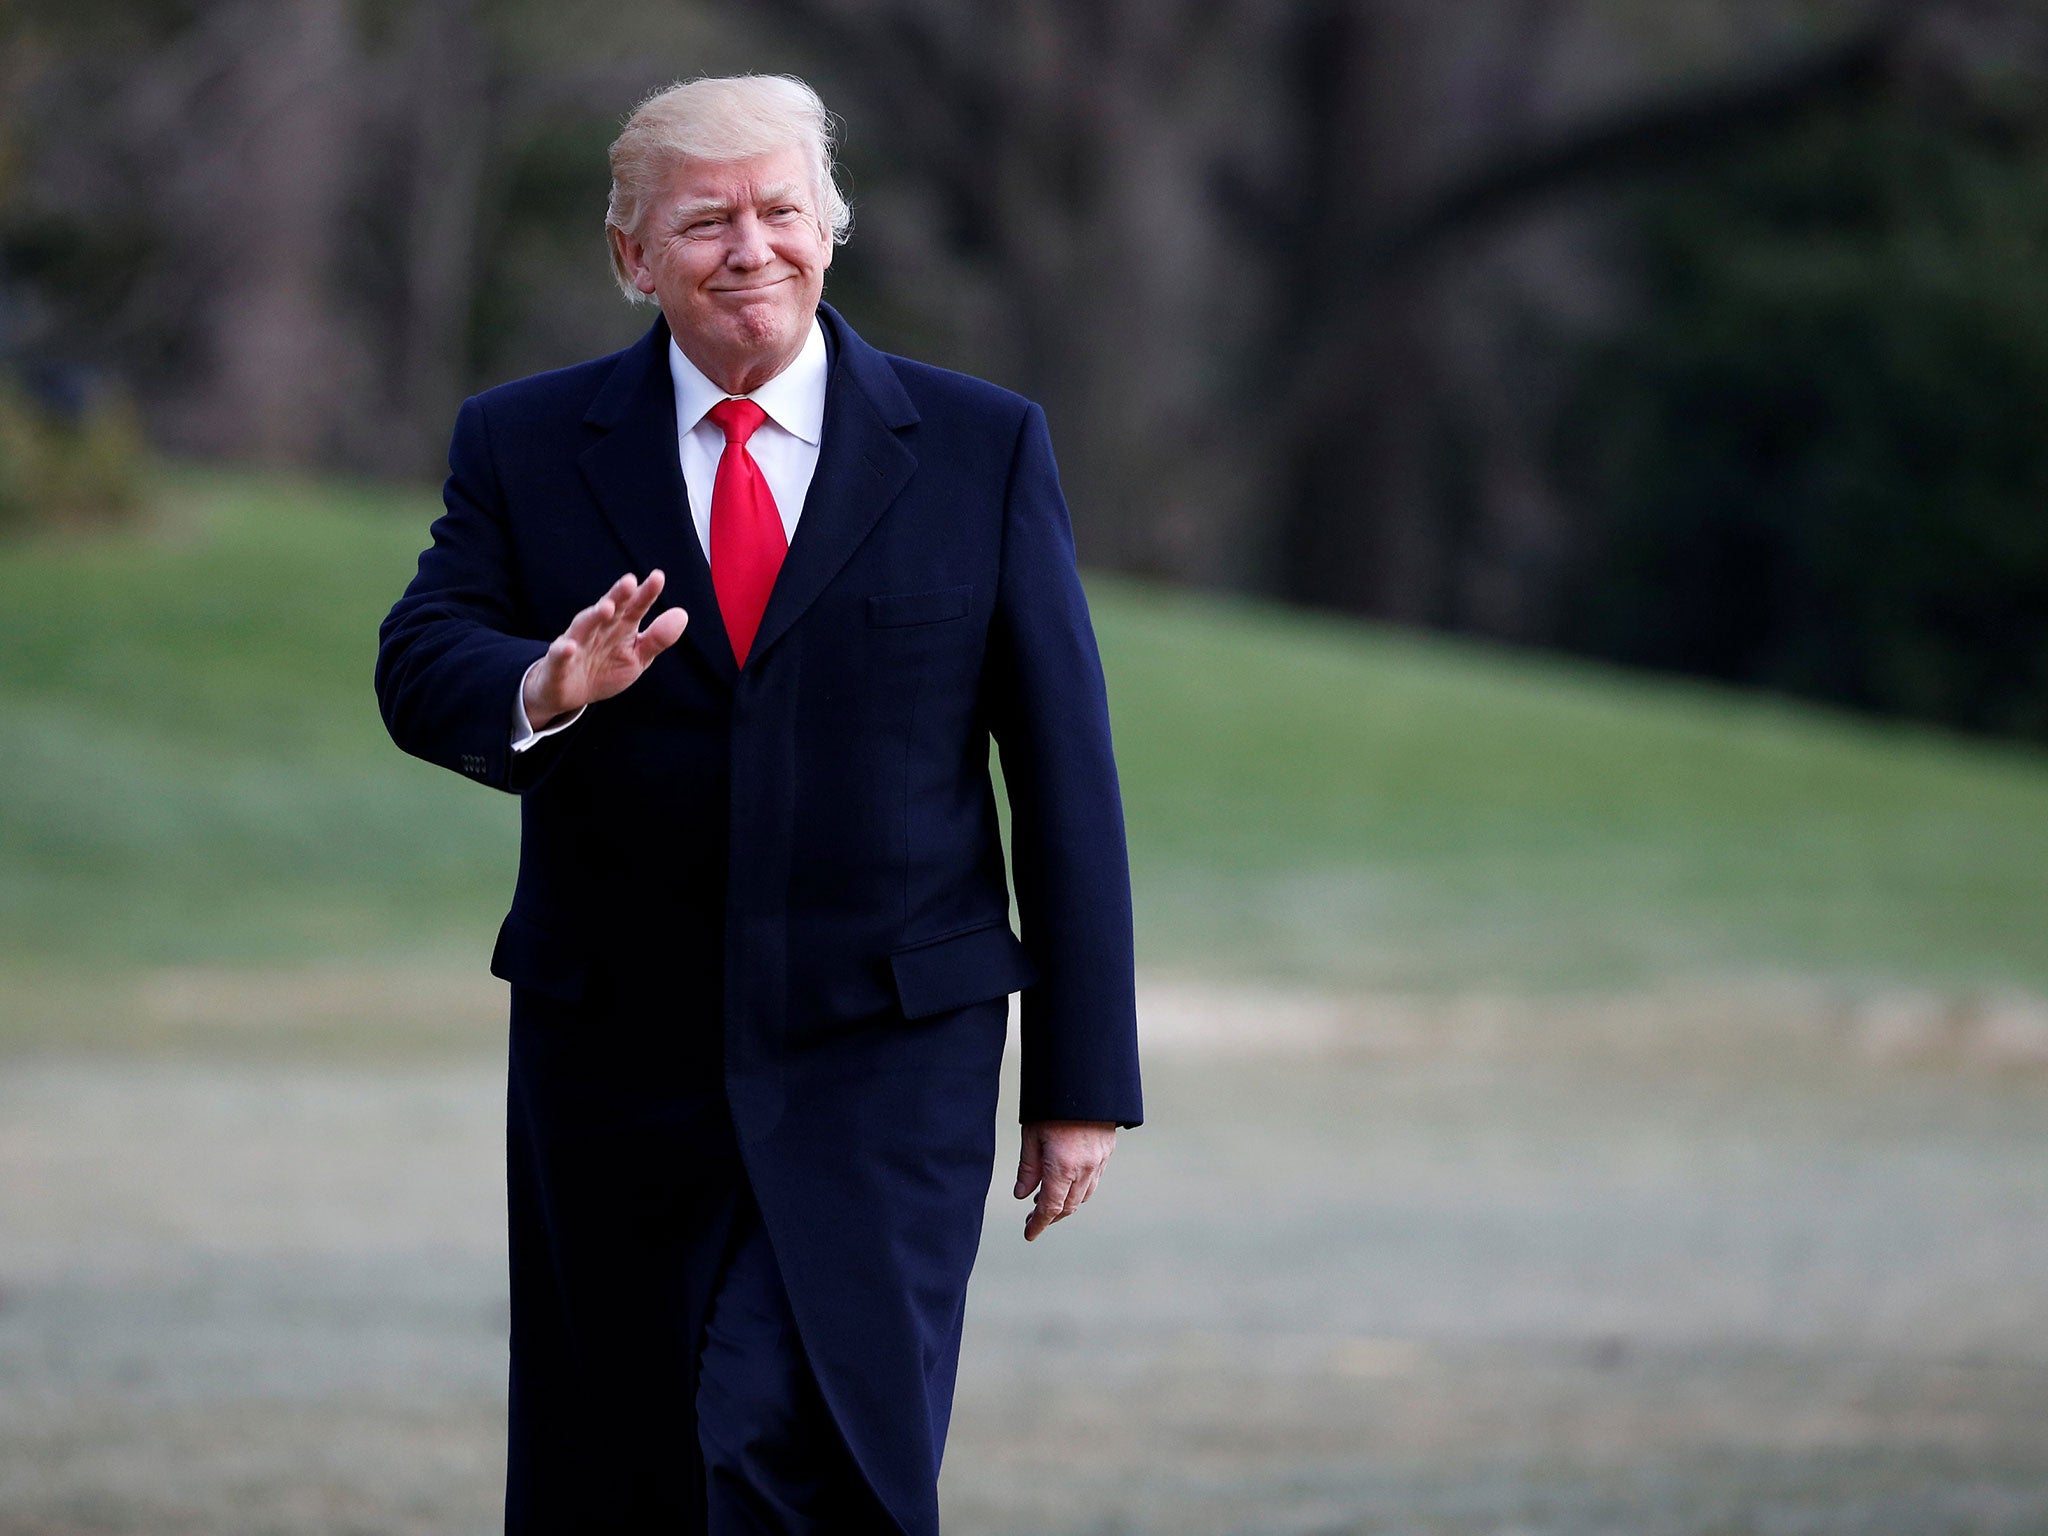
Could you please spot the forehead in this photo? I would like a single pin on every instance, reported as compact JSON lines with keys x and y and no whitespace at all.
{"x":781,"y":172}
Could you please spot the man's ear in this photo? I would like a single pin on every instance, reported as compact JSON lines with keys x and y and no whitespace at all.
{"x":632,"y":256}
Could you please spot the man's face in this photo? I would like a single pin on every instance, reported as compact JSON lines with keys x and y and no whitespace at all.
{"x":735,"y":252}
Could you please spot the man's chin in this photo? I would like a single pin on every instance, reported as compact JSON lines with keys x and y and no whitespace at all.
{"x":763,"y":327}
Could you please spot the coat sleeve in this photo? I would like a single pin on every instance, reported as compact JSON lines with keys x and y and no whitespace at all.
{"x":451,"y":654}
{"x":1049,"y":713}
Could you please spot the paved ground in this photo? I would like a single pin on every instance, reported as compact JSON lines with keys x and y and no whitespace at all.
{"x":1756,"y":1262}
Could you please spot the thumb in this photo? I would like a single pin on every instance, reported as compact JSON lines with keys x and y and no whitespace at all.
{"x":664,"y":632}
{"x":1027,"y":1167}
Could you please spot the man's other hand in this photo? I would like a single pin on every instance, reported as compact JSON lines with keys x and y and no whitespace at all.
{"x":1062,"y":1160}
{"x":602,"y":652}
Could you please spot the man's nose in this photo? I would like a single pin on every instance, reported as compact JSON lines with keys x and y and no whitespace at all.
{"x":747,"y":244}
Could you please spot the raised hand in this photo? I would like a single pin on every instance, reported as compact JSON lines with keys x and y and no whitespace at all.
{"x":602,"y":652}
{"x":1062,"y":1160}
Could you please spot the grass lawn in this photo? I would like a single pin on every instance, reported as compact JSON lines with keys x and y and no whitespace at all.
{"x":195,"y":774}
{"x":1582,"y":1266}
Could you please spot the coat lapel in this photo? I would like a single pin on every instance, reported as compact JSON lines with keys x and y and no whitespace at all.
{"x":862,"y":466}
{"x":634,"y":472}
{"x":638,"y":481}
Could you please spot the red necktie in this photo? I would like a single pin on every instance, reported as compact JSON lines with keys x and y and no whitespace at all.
{"x":747,"y":541}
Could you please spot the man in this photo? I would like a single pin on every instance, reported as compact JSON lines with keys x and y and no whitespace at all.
{"x":736,"y":612}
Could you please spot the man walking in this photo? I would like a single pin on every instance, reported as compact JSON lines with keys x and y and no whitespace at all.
{"x":759,"y":947}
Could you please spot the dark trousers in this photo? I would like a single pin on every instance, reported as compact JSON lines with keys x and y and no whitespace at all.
{"x":658,"y":1380}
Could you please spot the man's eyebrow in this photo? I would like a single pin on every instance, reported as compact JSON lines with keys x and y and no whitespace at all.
{"x":696,"y":208}
{"x":683,"y":213}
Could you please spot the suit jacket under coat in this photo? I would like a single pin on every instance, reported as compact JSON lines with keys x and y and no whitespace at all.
{"x":800,"y":861}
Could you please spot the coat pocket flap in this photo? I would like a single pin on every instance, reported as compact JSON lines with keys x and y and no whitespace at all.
{"x":897,"y":608}
{"x":940,"y":975}
{"x":542,"y":961}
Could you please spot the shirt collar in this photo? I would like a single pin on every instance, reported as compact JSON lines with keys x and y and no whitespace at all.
{"x":794,"y":399}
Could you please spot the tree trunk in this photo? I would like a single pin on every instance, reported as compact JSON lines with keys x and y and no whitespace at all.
{"x":280,"y":359}
{"x":450,"y":136}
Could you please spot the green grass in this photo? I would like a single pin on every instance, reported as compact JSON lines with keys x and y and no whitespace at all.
{"x":193,"y":763}
{"x":1319,"y":797}
{"x":194,"y":772}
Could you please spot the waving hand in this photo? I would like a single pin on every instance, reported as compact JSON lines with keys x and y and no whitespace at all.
{"x":602,"y":652}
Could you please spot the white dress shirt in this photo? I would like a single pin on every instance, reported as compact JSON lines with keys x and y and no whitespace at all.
{"x":785,"y":446}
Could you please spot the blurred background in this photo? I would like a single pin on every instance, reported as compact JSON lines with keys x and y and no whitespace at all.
{"x":1562,"y":490}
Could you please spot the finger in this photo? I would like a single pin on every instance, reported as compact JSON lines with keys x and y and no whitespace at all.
{"x":546,"y":680}
{"x":1086,"y":1187}
{"x":616,"y":596}
{"x":1057,"y":1193}
{"x":589,"y":625}
{"x":1027,"y":1166}
{"x":542,"y":690}
{"x":635,"y":607}
{"x":1051,"y":1205}
{"x":620,"y":602}
{"x":1040,"y":1218}
{"x":664,"y":632}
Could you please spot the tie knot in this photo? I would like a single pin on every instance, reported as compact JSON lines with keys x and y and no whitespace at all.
{"x":737,"y":419}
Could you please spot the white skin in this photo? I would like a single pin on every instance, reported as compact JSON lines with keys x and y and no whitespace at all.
{"x":735,"y":252}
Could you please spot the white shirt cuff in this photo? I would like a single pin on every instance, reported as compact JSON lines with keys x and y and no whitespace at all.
{"x":523,"y":733}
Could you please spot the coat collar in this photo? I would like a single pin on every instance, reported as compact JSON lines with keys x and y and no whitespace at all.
{"x":862,"y":466}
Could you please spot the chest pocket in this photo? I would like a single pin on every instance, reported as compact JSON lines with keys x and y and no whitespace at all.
{"x":897,"y":610}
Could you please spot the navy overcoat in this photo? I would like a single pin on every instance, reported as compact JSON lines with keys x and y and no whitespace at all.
{"x":788,"y":879}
